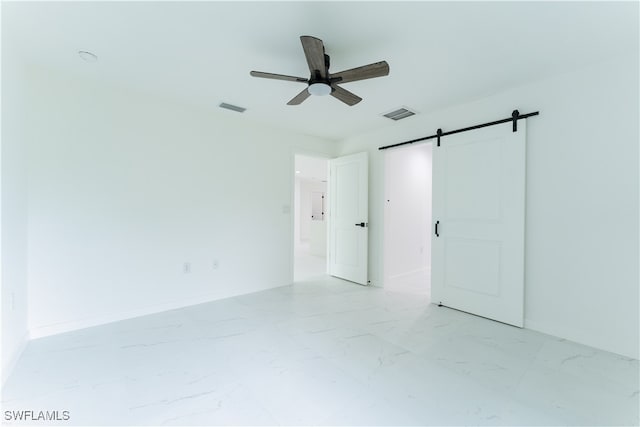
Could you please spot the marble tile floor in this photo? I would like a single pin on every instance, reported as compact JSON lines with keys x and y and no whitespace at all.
{"x":419,"y":284}
{"x":306,"y":265}
{"x":321,"y":352}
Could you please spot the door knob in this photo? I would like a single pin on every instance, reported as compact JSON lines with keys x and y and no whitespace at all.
{"x":362,"y":224}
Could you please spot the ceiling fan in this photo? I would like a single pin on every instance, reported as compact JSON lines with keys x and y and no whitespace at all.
{"x":321,"y":82}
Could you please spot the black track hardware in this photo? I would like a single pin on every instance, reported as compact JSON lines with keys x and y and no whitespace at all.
{"x":515,"y":116}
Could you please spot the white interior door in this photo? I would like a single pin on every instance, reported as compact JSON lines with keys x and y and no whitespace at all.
{"x":349,"y":217}
{"x":478,"y":209}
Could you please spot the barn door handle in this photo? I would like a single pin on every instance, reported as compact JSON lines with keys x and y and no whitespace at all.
{"x":437,"y":223}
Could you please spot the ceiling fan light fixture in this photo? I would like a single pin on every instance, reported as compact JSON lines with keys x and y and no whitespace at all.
{"x":319,"y":89}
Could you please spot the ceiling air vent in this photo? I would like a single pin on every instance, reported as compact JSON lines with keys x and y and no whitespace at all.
{"x":232,"y":107}
{"x":399,"y":114}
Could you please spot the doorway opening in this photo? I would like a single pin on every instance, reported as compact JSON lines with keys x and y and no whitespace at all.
{"x":407,"y":219}
{"x":310,"y":217}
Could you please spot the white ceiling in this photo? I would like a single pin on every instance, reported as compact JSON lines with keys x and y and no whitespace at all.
{"x":440,"y":53}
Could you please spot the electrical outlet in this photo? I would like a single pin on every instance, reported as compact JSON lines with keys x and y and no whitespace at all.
{"x":186,"y":268}
{"x":215,"y":264}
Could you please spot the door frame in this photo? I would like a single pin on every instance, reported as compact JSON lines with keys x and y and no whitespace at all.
{"x":386,"y":219}
{"x":292,"y":190}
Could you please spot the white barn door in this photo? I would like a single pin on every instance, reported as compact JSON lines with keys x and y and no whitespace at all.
{"x":478,"y":222}
{"x":349,"y":217}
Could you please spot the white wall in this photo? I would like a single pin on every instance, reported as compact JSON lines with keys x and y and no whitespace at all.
{"x":125,"y":188}
{"x":582,"y":198}
{"x":13,"y":241}
{"x":407,"y":216}
{"x":296,"y":213}
{"x":307,"y":187}
{"x":318,"y":240}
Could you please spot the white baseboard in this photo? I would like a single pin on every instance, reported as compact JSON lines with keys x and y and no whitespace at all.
{"x":580,"y":337}
{"x":73,"y":325}
{"x":417,"y":273}
{"x":13,"y":359}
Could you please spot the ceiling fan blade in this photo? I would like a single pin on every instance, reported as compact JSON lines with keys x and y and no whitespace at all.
{"x":345,"y":96}
{"x":278,"y":77}
{"x":297,"y":100}
{"x":314,"y":51}
{"x":377,"y":69}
